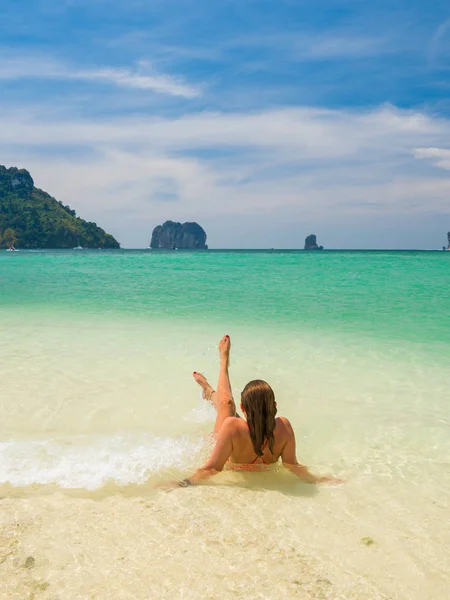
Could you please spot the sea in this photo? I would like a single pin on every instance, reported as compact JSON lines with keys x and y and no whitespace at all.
{"x":98,"y":410}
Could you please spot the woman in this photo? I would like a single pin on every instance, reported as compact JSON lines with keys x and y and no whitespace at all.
{"x":261,"y":439}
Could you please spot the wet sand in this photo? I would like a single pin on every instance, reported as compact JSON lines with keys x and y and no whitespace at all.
{"x":215,"y":541}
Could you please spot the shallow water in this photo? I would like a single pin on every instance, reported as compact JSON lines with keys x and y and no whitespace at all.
{"x":98,"y":405}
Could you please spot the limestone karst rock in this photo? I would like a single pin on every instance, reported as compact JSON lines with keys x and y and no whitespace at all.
{"x":311,"y":243}
{"x":184,"y":236}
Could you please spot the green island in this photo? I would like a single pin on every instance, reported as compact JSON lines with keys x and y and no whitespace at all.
{"x":31,"y":218}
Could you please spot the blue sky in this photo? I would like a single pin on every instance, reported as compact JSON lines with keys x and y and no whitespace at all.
{"x":264,"y":121}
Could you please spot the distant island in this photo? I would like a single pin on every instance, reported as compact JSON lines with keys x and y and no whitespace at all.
{"x":311,"y":243}
{"x":31,"y":218}
{"x":183,"y":236}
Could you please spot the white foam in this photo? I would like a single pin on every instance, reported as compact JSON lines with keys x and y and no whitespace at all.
{"x":205,"y":413}
{"x":89,"y":462}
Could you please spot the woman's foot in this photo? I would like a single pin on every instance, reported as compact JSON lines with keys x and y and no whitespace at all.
{"x":224,"y":349}
{"x":203,"y":383}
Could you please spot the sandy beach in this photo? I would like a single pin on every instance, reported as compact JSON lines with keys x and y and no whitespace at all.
{"x":215,"y":542}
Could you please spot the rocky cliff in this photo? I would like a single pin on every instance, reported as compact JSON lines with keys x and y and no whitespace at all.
{"x":311,"y":243}
{"x":184,"y":236}
{"x":31,"y":218}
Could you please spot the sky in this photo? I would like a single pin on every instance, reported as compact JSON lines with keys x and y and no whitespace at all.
{"x":264,"y":121}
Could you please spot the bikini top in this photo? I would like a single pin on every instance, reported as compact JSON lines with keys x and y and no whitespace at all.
{"x":262,"y":458}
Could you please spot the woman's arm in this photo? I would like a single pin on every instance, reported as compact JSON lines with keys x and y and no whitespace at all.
{"x":221,"y":453}
{"x":289,"y":458}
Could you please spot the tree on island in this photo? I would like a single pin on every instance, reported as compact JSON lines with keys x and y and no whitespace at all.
{"x":9,"y":237}
{"x":31,"y":218}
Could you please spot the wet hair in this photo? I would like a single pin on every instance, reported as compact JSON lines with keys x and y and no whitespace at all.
{"x":258,"y":401}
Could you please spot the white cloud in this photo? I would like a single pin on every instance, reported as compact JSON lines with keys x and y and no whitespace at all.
{"x":340,"y":46}
{"x":162,"y":84}
{"x":31,"y":68}
{"x":307,"y":46}
{"x":440,"y":156}
{"x":283,"y":165}
{"x":439,"y":44}
{"x":301,"y":132}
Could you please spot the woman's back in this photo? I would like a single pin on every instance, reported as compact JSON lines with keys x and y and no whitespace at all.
{"x":243,"y":452}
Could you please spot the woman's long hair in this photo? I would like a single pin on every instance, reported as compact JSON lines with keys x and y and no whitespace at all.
{"x":258,"y":401}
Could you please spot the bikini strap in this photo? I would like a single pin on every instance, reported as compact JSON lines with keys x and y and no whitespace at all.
{"x":263,"y":447}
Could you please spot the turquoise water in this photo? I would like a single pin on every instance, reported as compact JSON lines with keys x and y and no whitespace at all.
{"x":96,"y":359}
{"x":398,"y":296}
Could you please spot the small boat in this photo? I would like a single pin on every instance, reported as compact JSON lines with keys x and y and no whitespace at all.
{"x":79,"y":247}
{"x":11,"y":249}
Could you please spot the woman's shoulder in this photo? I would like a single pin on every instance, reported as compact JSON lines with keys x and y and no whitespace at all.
{"x":284,"y":423}
{"x":283,"y":420}
{"x":232,"y":424}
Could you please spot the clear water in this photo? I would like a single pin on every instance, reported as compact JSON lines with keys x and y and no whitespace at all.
{"x":98,"y":403}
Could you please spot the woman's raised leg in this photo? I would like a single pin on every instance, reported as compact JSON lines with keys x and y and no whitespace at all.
{"x":222,"y":399}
